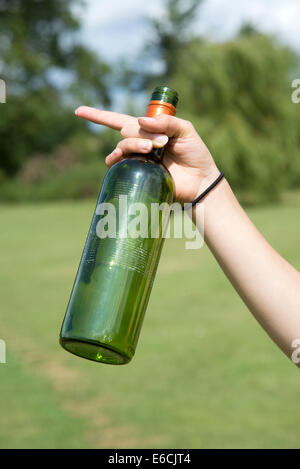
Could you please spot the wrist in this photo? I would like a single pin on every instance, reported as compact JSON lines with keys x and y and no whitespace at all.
{"x":205,"y":182}
{"x":213,"y":202}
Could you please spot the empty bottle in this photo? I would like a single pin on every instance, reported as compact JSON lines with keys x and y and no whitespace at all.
{"x":116,"y":272}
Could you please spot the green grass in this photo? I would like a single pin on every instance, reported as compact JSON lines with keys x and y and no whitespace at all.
{"x":205,"y":374}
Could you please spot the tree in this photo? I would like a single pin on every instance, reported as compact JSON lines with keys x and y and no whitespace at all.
{"x":46,"y":70}
{"x":170,"y":33}
{"x":238,"y":95}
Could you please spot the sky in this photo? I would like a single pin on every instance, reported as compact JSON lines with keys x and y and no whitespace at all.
{"x":118,"y":28}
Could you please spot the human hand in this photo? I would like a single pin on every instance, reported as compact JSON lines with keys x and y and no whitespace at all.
{"x":186,"y":156}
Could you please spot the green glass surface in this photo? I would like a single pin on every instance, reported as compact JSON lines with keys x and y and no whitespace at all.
{"x":166,"y":94}
{"x":115,"y":275}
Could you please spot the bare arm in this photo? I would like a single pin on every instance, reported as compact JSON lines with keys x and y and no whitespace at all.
{"x":267,"y":283}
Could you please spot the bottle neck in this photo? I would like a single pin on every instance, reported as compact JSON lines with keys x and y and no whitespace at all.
{"x":155,"y":108}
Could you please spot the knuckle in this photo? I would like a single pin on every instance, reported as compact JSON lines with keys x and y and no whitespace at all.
{"x":127,"y":144}
{"x":163,"y":118}
{"x":188,"y":125}
{"x":130,"y":130}
{"x":120,"y":144}
{"x":123,"y":132}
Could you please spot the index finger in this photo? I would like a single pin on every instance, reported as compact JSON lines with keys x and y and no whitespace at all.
{"x":114,"y":120}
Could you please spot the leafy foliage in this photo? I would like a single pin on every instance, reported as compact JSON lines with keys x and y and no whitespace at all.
{"x":42,"y":63}
{"x":172,"y":32}
{"x":238,"y":95}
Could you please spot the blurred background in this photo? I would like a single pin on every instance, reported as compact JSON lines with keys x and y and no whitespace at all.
{"x":205,"y":375}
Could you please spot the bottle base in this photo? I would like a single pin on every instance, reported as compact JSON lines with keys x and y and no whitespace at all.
{"x":94,"y":351}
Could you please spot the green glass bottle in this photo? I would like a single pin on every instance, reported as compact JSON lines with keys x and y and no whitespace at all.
{"x":116,"y":272}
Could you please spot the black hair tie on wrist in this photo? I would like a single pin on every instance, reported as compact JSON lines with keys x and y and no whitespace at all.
{"x":200,"y":197}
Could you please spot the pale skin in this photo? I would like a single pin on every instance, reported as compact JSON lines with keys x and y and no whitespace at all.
{"x":267,"y":283}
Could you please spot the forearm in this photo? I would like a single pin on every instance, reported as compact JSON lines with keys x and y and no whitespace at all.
{"x":268,"y":284}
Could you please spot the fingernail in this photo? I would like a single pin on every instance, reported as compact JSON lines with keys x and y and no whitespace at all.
{"x":145,"y":145}
{"x":160,"y":140}
{"x":75,"y":112}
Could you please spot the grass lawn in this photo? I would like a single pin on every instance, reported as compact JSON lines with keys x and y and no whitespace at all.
{"x":205,"y":374}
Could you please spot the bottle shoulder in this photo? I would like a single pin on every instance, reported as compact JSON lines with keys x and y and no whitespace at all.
{"x":137,"y":172}
{"x":140,"y":167}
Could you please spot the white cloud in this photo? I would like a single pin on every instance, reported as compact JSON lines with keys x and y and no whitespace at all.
{"x":100,"y":11}
{"x":118,"y":28}
{"x":224,"y":17}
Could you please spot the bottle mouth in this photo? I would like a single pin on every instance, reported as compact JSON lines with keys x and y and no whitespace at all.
{"x":165,"y":94}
